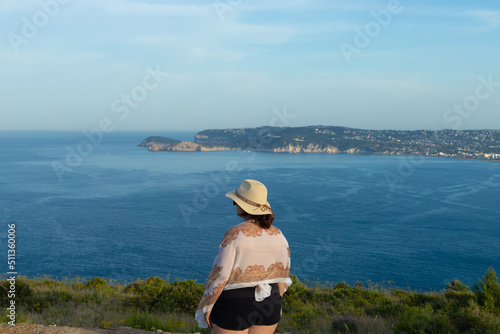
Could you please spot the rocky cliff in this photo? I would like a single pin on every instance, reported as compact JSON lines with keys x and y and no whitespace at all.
{"x":311,"y":148}
{"x":156,"y":144}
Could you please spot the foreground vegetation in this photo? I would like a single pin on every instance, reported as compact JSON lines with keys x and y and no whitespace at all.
{"x":155,"y":303}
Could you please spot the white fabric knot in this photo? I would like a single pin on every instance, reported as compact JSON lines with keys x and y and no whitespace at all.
{"x":262,"y":291}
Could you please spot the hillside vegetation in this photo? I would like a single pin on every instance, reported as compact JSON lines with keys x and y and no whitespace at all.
{"x":156,"y":303}
{"x":476,"y":144}
{"x":462,"y":144}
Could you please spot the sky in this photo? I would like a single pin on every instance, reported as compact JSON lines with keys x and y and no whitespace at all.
{"x":191,"y":65}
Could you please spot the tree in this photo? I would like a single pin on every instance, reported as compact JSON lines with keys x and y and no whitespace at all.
{"x":487,"y":291}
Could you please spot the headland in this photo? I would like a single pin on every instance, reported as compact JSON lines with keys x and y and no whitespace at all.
{"x":461,"y":144}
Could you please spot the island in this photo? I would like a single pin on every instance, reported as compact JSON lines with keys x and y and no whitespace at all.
{"x":157,"y":143}
{"x":464,"y":144}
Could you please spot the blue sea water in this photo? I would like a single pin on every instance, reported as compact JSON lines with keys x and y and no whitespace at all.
{"x":116,"y":210}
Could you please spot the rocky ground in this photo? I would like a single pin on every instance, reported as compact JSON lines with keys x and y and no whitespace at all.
{"x":39,"y":329}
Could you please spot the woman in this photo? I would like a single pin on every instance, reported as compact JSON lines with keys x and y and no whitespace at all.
{"x":251,"y":271}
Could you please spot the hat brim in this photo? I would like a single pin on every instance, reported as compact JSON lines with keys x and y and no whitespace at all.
{"x":250,"y":209}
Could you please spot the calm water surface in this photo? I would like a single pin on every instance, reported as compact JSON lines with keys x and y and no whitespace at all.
{"x":123,"y":212}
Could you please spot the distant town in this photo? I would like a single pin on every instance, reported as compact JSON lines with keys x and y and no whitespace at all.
{"x":462,"y":144}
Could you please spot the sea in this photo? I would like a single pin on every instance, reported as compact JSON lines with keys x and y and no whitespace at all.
{"x":95,"y":204}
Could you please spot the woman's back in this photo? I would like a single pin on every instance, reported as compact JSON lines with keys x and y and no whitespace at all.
{"x":260,"y":254}
{"x":251,"y":270}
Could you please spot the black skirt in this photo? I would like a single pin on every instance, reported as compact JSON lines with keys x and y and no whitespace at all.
{"x":237,"y":309}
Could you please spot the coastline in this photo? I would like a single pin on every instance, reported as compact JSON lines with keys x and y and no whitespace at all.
{"x":156,"y":148}
{"x":458,"y":144}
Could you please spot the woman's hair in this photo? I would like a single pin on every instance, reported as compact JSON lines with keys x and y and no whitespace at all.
{"x":265,"y":221}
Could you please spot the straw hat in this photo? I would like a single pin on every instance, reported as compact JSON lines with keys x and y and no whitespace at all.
{"x":251,"y":196}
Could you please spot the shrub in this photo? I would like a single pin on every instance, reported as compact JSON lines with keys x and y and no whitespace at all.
{"x":96,"y":283}
{"x":422,"y":299}
{"x":459,"y":299}
{"x":77,"y":286}
{"x":156,"y":294}
{"x":182,"y":296}
{"x":302,"y":317}
{"x":400,"y":294}
{"x":422,"y":320}
{"x":296,"y":294}
{"x":487,"y":291}
{"x":385,"y":307}
{"x":456,"y":285}
{"x":344,"y":324}
{"x":415,"y":320}
{"x":44,"y":299}
{"x":465,"y":319}
{"x":157,"y":304}
{"x":23,"y":292}
{"x":341,"y":285}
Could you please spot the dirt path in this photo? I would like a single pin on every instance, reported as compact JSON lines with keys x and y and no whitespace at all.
{"x":40,"y":329}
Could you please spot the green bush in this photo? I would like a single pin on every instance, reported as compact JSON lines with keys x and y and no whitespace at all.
{"x":384,"y":307}
{"x":42,"y":300}
{"x":182,"y":296}
{"x":415,"y":320}
{"x":344,"y":324}
{"x":459,"y":299}
{"x":321,"y":308}
{"x":456,"y":285}
{"x":23,"y":292}
{"x":422,"y":299}
{"x":487,"y":291}
{"x":156,"y":294}
{"x":423,"y":320}
{"x":96,"y":283}
{"x":302,"y":317}
{"x":296,"y":294}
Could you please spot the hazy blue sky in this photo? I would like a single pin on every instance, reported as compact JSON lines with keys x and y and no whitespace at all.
{"x":70,"y":64}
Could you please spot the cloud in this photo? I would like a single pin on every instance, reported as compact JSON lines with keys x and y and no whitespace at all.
{"x":144,"y":8}
{"x":231,"y":33}
{"x":242,"y":33}
{"x":201,"y":55}
{"x":154,"y":39}
{"x":15,"y":5}
{"x":307,"y":5}
{"x":490,"y":18}
{"x":48,"y":58}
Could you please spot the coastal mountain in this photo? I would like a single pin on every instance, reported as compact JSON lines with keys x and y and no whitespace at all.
{"x":474,"y":144}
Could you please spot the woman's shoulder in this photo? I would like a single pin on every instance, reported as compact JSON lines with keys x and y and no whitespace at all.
{"x":239,"y":227}
{"x":233,"y":232}
{"x":242,"y":227}
{"x":273,"y":230}
{"x":250,"y":229}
